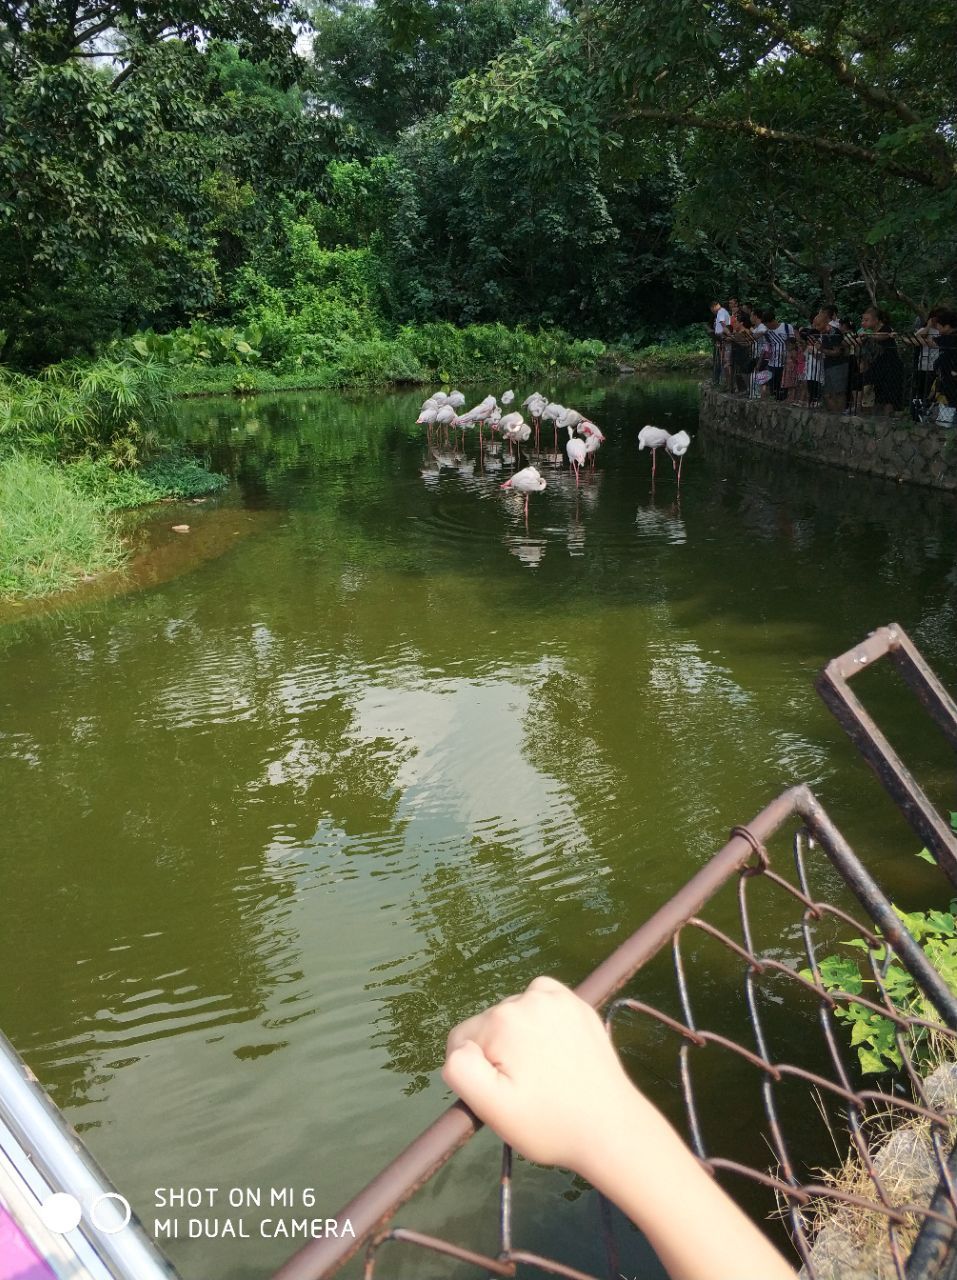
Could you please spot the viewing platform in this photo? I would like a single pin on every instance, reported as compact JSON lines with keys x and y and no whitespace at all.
{"x":892,"y":447}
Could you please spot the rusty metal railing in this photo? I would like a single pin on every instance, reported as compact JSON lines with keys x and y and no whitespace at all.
{"x":915,"y":1232}
{"x":893,"y":643}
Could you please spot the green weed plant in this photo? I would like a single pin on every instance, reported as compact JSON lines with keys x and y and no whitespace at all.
{"x":872,"y":1035}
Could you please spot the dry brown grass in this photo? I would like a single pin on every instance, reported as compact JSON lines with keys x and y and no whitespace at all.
{"x":853,"y":1242}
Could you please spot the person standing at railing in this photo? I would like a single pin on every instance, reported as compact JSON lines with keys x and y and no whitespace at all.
{"x":926,"y":354}
{"x":836,"y":359}
{"x":812,"y":373}
{"x":946,"y":343}
{"x":721,"y":326}
{"x":759,"y":362}
{"x":740,"y":347}
{"x":852,"y":344}
{"x":781,"y":341}
{"x":884,"y":371}
{"x":541,"y":1071}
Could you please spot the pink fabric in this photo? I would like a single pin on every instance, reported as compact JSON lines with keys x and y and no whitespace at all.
{"x":18,"y":1258}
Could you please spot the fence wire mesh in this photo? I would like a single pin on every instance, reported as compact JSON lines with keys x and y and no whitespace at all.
{"x":781,"y":1055}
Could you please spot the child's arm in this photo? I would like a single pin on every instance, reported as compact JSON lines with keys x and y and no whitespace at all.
{"x":540,"y":1069}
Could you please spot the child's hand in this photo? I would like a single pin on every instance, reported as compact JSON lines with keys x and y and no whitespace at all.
{"x":540,"y":1070}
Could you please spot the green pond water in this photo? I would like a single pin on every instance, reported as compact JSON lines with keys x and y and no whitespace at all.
{"x":364,"y":753}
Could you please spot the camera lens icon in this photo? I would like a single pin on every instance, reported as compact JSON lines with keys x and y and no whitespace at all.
{"x":109,"y":1213}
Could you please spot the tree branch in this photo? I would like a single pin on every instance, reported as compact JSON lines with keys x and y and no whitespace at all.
{"x":828,"y":146}
{"x":800,"y":44}
{"x":783,"y":293}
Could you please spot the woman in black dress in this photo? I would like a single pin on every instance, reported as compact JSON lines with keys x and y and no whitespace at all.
{"x":884,"y":371}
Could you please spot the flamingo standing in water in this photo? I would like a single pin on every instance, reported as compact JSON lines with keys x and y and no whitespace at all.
{"x":526,"y":481}
{"x":577,"y":452}
{"x":652,"y":438}
{"x":551,"y":413}
{"x":677,"y":446}
{"x":592,"y":445}
{"x":594,"y":438}
{"x":535,"y":404}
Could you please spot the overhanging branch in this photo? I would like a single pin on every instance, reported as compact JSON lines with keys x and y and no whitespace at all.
{"x":750,"y":128}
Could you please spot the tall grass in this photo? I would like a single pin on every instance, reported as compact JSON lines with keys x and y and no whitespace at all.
{"x":104,"y":408}
{"x":51,"y":535}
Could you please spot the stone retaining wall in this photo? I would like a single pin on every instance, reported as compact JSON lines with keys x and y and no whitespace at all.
{"x":895,"y":448}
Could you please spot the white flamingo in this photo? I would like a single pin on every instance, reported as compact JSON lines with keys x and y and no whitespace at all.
{"x":577,"y":453}
{"x":677,"y":446}
{"x":551,"y":413}
{"x":570,"y":420}
{"x":515,"y":429}
{"x":456,"y":399}
{"x":526,"y":481}
{"x":508,"y":397}
{"x":535,"y":404}
{"x":652,"y":438}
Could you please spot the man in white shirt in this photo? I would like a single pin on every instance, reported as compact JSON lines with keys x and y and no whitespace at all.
{"x":722,"y":326}
{"x":722,"y":318}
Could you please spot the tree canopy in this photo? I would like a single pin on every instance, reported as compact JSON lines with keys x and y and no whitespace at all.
{"x":604,"y":165}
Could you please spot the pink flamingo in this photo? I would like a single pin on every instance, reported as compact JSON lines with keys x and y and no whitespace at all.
{"x":526,"y":481}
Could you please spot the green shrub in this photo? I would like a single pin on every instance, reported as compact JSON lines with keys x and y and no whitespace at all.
{"x":873,"y":1035}
{"x":171,"y":475}
{"x":200,"y":344}
{"x":108,"y":408}
{"x":51,"y":534}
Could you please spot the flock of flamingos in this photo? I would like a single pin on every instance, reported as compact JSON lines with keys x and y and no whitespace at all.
{"x":441,"y":413}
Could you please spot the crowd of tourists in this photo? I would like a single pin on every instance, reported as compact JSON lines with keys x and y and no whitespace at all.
{"x":836,"y":364}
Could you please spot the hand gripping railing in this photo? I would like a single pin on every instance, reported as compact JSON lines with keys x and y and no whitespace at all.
{"x":915,"y":1235}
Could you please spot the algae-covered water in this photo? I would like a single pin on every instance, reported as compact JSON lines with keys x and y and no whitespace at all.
{"x":369,"y":753}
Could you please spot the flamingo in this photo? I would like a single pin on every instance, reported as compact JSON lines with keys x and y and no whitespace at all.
{"x":515,"y":429}
{"x":526,"y":481}
{"x":576,"y":451}
{"x":551,"y":413}
{"x":592,"y":445}
{"x":508,"y":397}
{"x":677,"y":446}
{"x":456,"y":399}
{"x":652,"y":438}
{"x":570,"y":419}
{"x":535,"y":404}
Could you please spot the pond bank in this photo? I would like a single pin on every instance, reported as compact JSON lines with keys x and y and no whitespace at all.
{"x":199,"y":383}
{"x":894,"y":448}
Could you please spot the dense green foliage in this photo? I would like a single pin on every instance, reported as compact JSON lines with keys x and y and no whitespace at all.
{"x":602,"y":166}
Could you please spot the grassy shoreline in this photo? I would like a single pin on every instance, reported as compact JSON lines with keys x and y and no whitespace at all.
{"x":196,"y":384}
{"x":85,"y":440}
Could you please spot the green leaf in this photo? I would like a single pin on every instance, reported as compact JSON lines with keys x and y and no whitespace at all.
{"x":839,"y":971}
{"x":927,"y":855}
{"x":870,"y":1061}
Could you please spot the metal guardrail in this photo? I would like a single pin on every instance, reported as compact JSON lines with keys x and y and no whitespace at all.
{"x":42,"y":1155}
{"x":919,"y":1236}
{"x":893,"y":643}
